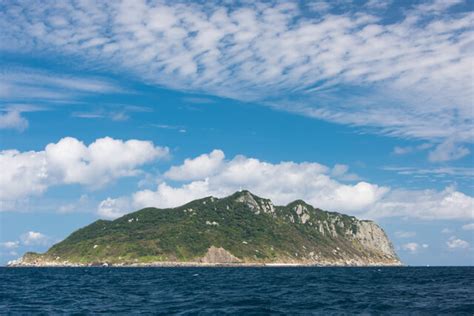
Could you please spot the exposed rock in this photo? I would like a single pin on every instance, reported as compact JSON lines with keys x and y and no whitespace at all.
{"x":302,"y":212}
{"x":219,"y":255}
{"x":373,"y":237}
{"x":304,"y":218}
{"x":247,"y":198}
{"x":262,"y":205}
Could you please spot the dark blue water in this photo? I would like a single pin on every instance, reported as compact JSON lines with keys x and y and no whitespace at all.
{"x":237,"y":290}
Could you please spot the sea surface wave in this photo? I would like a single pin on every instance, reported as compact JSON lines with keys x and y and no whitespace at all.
{"x":254,"y":291}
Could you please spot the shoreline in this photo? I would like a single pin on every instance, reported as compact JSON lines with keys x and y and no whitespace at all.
{"x":198,"y":265}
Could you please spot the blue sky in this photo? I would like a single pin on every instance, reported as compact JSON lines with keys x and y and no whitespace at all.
{"x":362,"y":107}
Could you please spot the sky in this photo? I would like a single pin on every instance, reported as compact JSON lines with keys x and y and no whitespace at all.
{"x":361,"y":107}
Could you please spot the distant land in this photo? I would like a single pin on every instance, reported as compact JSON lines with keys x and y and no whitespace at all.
{"x":241,"y":229}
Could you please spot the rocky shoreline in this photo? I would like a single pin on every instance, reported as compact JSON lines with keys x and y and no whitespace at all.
{"x":214,"y":257}
{"x":19,"y":263}
{"x":191,"y":264}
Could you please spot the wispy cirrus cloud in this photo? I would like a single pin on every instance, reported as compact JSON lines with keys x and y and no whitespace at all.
{"x":398,"y":150}
{"x":178,"y":128}
{"x":409,"y":76}
{"x":453,"y":172}
{"x":28,"y":84}
{"x":25,"y":90}
{"x":115,"y":113}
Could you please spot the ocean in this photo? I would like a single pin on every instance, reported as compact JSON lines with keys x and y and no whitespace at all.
{"x":241,"y":291}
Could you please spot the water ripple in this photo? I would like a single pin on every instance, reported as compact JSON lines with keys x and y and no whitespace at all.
{"x":276,"y":291}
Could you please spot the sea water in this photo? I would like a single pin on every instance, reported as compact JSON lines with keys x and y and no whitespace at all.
{"x":266,"y":290}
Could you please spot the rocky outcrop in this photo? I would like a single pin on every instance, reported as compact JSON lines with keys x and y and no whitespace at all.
{"x":372,"y":237}
{"x":219,"y":255}
{"x":257,"y":205}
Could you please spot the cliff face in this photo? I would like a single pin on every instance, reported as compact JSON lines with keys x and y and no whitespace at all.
{"x":371,"y":236}
{"x":240,"y":229}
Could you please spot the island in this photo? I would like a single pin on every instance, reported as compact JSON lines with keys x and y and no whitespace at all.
{"x":239,"y":230}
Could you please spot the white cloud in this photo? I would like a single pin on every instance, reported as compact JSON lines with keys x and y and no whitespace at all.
{"x":33,"y":238}
{"x":282,"y":182}
{"x":411,"y":247}
{"x":13,"y":120}
{"x":456,"y":243}
{"x":408,"y":78}
{"x":399,"y":150}
{"x":437,"y":6}
{"x":197,"y":168}
{"x":339,"y":170}
{"x":378,"y":4}
{"x":116,"y":113}
{"x":402,"y":150}
{"x":426,"y":204}
{"x":24,"y":84}
{"x":212,"y":174}
{"x":319,"y":6}
{"x":469,"y":226}
{"x":70,"y":161}
{"x":446,"y":151}
{"x":78,"y":205}
{"x":113,"y":208}
{"x":102,"y":161}
{"x":178,"y":128}
{"x":446,"y":231}
{"x":466,"y":172}
{"x":10,"y":244}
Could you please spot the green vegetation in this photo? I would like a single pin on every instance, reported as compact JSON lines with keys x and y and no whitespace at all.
{"x":247,"y":226}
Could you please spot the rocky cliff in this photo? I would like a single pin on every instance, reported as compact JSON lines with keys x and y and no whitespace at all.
{"x":239,"y":229}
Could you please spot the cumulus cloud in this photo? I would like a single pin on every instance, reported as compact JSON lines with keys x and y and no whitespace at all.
{"x":456,"y":243}
{"x":13,"y":120}
{"x":413,"y":247}
{"x":408,"y":77}
{"x":426,"y":204}
{"x":33,"y":238}
{"x":70,"y":161}
{"x":113,"y":208}
{"x":11,"y":114}
{"x":202,"y":166}
{"x":283,"y":182}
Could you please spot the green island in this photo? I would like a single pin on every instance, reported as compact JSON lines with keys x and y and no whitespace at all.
{"x":241,"y":229}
